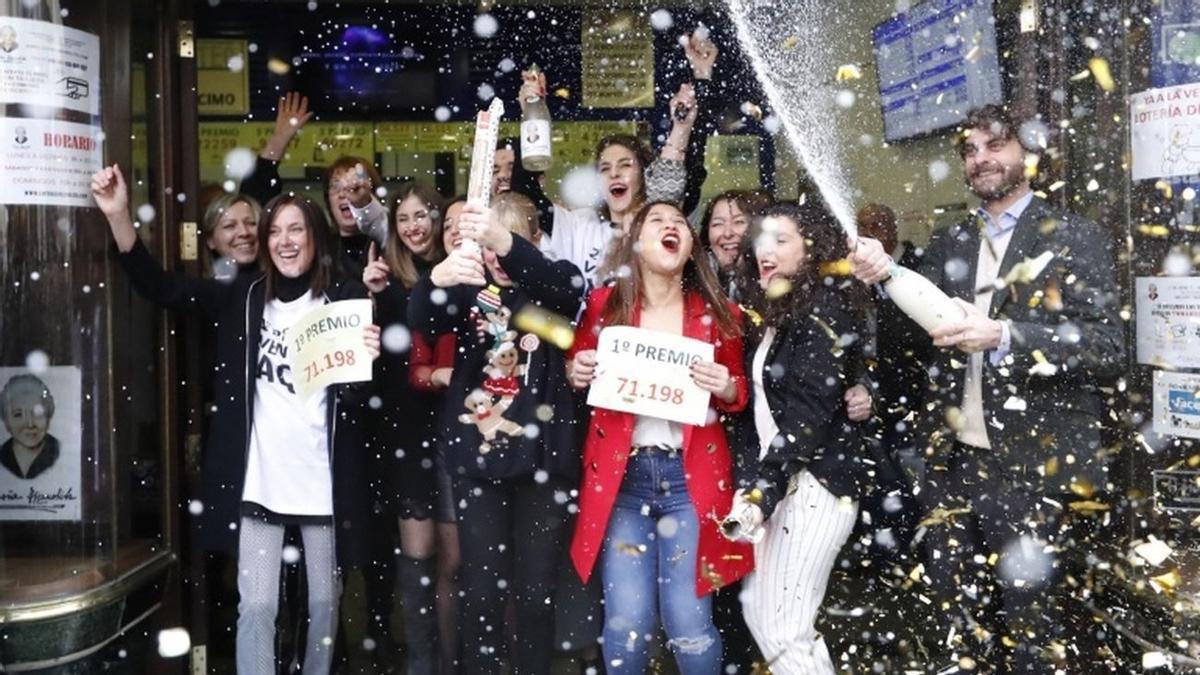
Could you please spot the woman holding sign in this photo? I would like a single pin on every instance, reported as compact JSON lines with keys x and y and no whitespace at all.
{"x":799,"y":504}
{"x":273,"y":457}
{"x":652,"y":487}
{"x":507,"y":429}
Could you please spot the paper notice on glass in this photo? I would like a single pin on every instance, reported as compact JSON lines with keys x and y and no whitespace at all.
{"x":327,"y":347}
{"x":1177,"y":404}
{"x":646,"y":372}
{"x":1164,"y":126}
{"x":48,"y":162}
{"x":1168,"y":321}
{"x":40,"y":444}
{"x":47,"y":64}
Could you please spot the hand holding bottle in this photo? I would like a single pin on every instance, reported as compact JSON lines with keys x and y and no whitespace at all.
{"x":745,"y":519}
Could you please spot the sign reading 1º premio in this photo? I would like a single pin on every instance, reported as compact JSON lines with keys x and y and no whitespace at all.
{"x":647,"y":372}
{"x":222,"y":80}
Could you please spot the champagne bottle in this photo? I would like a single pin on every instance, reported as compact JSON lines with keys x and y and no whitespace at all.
{"x":535,"y":132}
{"x":920,"y":299}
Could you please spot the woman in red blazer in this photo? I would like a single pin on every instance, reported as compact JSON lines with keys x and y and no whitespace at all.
{"x":653,"y":489}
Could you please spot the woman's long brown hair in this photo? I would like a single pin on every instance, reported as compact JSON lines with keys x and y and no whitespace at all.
{"x":698,"y":277}
{"x":318,"y":232}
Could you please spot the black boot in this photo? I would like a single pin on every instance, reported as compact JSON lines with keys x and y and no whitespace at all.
{"x":418,"y":589}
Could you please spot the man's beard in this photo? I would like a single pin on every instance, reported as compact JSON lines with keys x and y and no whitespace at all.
{"x":1011,"y":178}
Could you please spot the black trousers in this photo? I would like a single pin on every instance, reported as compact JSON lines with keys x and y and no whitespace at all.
{"x":512,"y":533}
{"x":1006,"y":564}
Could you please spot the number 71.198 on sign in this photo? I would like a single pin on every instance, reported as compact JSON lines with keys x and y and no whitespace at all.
{"x":631,"y":390}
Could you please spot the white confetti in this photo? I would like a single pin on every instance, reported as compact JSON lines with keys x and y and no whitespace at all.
{"x":173,"y":642}
{"x":485,"y":26}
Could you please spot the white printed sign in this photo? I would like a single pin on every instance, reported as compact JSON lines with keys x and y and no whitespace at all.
{"x":1168,"y":321}
{"x":328,"y":348}
{"x":1177,"y":404}
{"x":48,"y":162}
{"x":646,"y":372}
{"x":1165,"y":131}
{"x":40,"y":466}
{"x":47,"y":64}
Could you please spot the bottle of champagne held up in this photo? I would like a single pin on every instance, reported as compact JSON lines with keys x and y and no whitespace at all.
{"x":535,"y":132}
{"x":920,"y":299}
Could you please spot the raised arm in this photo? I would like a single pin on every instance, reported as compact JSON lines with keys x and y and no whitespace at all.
{"x":290,"y":116}
{"x":168,"y":289}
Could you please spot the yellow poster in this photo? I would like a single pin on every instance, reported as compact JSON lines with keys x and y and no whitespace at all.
{"x":218,"y":138}
{"x":319,"y":144}
{"x":222,"y":80}
{"x":618,"y":60}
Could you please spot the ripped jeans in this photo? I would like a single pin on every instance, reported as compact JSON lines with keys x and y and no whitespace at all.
{"x":648,"y":567}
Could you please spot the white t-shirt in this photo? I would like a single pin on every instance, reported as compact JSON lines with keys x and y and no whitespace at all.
{"x":288,"y":468}
{"x":764,"y":422}
{"x":656,"y":432}
{"x":582,"y":238}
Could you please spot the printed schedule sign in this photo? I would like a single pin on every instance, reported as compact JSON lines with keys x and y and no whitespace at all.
{"x":48,"y":162}
{"x":646,"y":372}
{"x":1168,"y":321}
{"x":1177,"y":404}
{"x":47,"y":64}
{"x":327,"y":346}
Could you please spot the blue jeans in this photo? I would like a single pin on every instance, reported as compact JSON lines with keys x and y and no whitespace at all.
{"x":649,"y":568}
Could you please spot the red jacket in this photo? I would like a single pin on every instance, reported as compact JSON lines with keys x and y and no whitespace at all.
{"x":706,"y":458}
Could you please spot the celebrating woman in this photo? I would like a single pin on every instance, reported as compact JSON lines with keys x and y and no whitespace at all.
{"x":404,"y":435}
{"x":506,"y":431}
{"x":273,"y":458}
{"x":647,"y":513}
{"x":799,"y":503}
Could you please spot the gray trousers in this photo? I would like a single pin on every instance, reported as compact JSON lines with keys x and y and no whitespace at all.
{"x":260,"y":554}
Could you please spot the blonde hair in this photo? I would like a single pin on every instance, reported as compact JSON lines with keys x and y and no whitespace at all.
{"x":212,"y":215}
{"x":517,"y":212}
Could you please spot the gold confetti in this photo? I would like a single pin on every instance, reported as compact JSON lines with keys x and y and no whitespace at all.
{"x":752,"y":110}
{"x":1082,"y":487}
{"x":1166,"y":583}
{"x":1031,"y":165}
{"x":848,"y":71}
{"x":1100,"y":71}
{"x":1029,"y":269}
{"x":836,"y":268}
{"x":755,"y":317}
{"x":790,"y":42}
{"x":1159,"y":231}
{"x":1054,"y":301}
{"x":943,"y":516}
{"x":1051,"y":467}
{"x":278,"y":66}
{"x":1088,"y":506}
{"x":562,"y":92}
{"x":546,"y":325}
{"x":955,"y":418}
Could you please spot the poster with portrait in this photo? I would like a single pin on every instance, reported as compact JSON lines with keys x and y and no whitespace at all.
{"x":40,"y":436}
{"x":48,"y":64}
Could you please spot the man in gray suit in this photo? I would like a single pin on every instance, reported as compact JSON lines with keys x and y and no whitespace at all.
{"x":1013,"y":407}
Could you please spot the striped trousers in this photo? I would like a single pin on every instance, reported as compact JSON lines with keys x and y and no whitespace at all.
{"x":792,"y":566}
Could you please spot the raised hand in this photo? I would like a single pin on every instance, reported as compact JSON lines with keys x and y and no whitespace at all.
{"x":291,"y":114}
{"x":533,"y":84}
{"x":463,"y":265}
{"x":375,"y":274}
{"x":683,"y":106}
{"x":371,"y":340}
{"x":357,"y":187}
{"x":109,"y":191}
{"x":858,"y":403}
{"x":869,"y":263}
{"x":480,"y":224}
{"x":701,"y":53}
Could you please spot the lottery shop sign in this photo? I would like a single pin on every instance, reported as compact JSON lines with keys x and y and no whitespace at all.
{"x":646,"y":372}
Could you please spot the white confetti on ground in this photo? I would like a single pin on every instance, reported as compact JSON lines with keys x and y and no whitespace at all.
{"x":845,"y":98}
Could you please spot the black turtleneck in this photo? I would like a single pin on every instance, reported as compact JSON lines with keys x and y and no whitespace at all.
{"x":288,"y":289}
